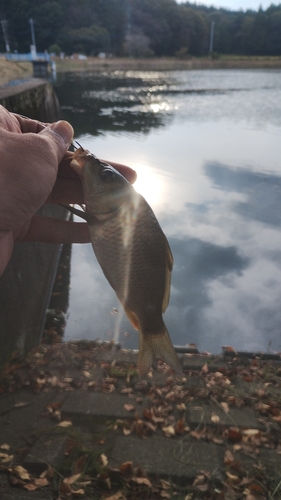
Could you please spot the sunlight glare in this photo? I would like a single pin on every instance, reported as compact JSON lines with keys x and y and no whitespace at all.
{"x":149,"y":183}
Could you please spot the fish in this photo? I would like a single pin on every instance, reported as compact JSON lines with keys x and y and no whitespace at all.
{"x":133,"y":252}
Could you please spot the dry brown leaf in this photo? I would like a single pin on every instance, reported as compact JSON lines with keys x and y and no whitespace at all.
{"x":74,"y":478}
{"x":165,"y":494}
{"x":250,"y":496}
{"x":200,"y":479}
{"x":104,"y":459}
{"x":251,"y":432}
{"x":65,"y":423}
{"x":128,"y":407}
{"x":21,"y":472}
{"x":232,"y":477}
{"x":169,"y":431}
{"x":215,"y":418}
{"x":79,"y":464}
{"x":126,"y":468}
{"x":78,"y":493}
{"x":205,"y":368}
{"x":30,"y":487}
{"x":116,"y":496}
{"x":166,"y":485}
{"x":225,"y":407}
{"x":228,"y":457}
{"x":65,"y":488}
{"x":142,"y":480}
{"x":42,"y":481}
{"x":4,"y":458}
{"x":5,"y":447}
{"x":20,"y":404}
{"x":197,"y":434}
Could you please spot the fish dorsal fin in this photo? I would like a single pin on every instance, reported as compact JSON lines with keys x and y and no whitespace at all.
{"x":169,"y":267}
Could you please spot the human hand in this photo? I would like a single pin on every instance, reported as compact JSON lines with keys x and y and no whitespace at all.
{"x":34,"y":170}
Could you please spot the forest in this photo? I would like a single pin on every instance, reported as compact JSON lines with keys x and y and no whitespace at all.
{"x":138,"y":28}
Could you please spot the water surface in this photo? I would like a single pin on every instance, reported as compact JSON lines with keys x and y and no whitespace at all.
{"x":206,"y":146}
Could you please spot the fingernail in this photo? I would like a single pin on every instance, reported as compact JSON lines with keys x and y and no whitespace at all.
{"x":64,"y":130}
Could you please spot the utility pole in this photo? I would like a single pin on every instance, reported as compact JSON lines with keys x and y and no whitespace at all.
{"x":5,"y":33}
{"x":212,"y":37}
{"x":33,"y":46}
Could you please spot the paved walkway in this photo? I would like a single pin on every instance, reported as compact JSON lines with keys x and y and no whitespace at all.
{"x":215,"y":429}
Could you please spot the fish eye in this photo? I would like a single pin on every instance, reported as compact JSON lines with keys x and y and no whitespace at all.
{"x":107,"y":175}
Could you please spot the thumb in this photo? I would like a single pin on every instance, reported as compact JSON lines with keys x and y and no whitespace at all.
{"x":61,"y":135}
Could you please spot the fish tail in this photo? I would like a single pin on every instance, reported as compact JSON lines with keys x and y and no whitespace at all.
{"x":157,"y":346}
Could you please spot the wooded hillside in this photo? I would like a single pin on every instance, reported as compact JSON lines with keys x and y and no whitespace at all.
{"x":139,"y":28}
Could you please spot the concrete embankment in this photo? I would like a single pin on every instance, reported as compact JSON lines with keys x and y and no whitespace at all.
{"x":26,"y":284}
{"x":34,"y":98}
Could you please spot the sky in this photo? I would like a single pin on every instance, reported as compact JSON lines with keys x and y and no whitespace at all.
{"x":237,"y":4}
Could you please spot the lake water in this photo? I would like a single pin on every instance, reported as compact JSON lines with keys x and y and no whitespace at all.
{"x":206,"y":146}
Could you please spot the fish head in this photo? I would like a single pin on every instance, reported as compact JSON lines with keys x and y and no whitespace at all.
{"x":105,"y":189}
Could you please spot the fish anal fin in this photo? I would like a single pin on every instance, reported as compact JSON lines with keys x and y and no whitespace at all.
{"x":157,"y":346}
{"x":133,"y":318}
{"x":169,"y":266}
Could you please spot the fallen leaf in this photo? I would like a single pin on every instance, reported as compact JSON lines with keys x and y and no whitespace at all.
{"x":228,"y":457}
{"x":104,"y":459}
{"x":142,"y":480}
{"x":21,"y":472}
{"x":128,"y":407}
{"x":169,"y":431}
{"x":30,"y":487}
{"x":116,"y":496}
{"x":65,"y":423}
{"x":215,"y":418}
{"x":65,"y":488}
{"x":5,"y":447}
{"x":232,"y":477}
{"x":20,"y":404}
{"x":225,"y":407}
{"x":251,"y":432}
{"x":79,"y":493}
{"x":74,"y":478}
{"x":79,"y":464}
{"x":4,"y":457}
{"x":205,"y":368}
{"x":126,"y":468}
{"x":42,"y":481}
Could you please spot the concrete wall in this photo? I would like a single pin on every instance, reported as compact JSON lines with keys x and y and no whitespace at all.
{"x":35,"y":98}
{"x":26,"y":284}
{"x":25,"y":289}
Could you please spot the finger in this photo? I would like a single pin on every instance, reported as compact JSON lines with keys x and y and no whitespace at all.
{"x":66,"y":191}
{"x":127,"y":172}
{"x":60,"y":136}
{"x":28,"y":125}
{"x":58,"y":231}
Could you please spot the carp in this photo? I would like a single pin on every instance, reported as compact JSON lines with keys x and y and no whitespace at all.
{"x":132,"y":251}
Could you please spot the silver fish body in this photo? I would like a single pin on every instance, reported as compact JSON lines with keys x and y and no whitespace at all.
{"x":133,"y":253}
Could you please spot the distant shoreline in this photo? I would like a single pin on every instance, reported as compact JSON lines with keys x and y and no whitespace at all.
{"x":167,"y":64}
{"x":19,"y":70}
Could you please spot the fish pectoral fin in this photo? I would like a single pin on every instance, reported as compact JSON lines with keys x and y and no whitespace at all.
{"x":133,"y":318}
{"x":169,"y":266}
{"x":156,"y":346}
{"x":80,"y":213}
